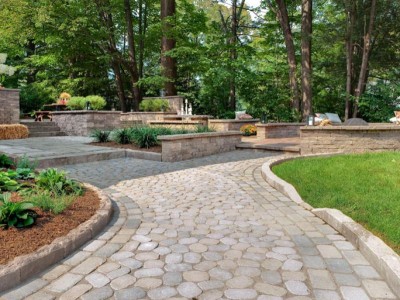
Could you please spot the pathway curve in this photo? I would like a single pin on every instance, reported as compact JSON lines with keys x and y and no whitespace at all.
{"x":205,"y":229}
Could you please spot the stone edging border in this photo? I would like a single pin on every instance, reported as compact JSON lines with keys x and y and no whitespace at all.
{"x":24,"y":267}
{"x":381,"y":256}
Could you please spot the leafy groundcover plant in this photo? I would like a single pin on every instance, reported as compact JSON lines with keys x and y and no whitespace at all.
{"x":50,"y":190}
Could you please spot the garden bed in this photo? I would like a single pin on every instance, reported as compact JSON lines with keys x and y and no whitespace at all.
{"x":48,"y":227}
{"x":155,"y":149}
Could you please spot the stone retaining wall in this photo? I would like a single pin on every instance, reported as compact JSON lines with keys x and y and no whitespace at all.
{"x":9,"y":106}
{"x":187,"y":146}
{"x":83,"y":122}
{"x":349,"y":139}
{"x":230,"y":124}
{"x":278,"y":130}
{"x":145,"y":117}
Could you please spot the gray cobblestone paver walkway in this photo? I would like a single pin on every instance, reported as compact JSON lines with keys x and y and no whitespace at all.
{"x":205,"y":229}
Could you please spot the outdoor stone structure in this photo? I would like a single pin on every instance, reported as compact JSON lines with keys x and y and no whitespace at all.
{"x":187,"y":146}
{"x":230,"y":124}
{"x":278,"y":130}
{"x":175,"y":102}
{"x":9,"y":106}
{"x":145,"y":117}
{"x":83,"y":122}
{"x":349,"y":139}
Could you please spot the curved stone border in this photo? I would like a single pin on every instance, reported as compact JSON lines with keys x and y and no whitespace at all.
{"x":381,"y":256}
{"x":24,"y":267}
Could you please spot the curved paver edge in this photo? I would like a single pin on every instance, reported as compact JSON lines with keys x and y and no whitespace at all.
{"x":25,"y":266}
{"x":381,"y":256}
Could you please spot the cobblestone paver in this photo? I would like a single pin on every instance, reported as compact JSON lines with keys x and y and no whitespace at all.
{"x":205,"y":229}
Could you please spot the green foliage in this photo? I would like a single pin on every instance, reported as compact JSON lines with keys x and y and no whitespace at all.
{"x":122,"y":136}
{"x":364,"y":187}
{"x":57,"y":183}
{"x":25,"y":163}
{"x":46,"y":201}
{"x":204,"y":128}
{"x":154,"y":105}
{"x":5,"y":161}
{"x":96,"y":102}
{"x":76,"y":103}
{"x":15,"y":214}
{"x":101,"y":136}
{"x":146,"y":137}
{"x":380,"y":101}
{"x":7,"y":183}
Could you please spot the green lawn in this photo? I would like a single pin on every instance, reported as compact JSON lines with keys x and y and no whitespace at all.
{"x":365,"y":187}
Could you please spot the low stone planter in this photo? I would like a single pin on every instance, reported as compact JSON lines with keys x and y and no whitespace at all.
{"x":349,"y":139}
{"x":186,"y":146}
{"x":278,"y":130}
{"x":24,"y":267}
{"x":230,"y":124}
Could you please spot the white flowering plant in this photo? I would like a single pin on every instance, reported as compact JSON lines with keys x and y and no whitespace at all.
{"x":4,"y":69}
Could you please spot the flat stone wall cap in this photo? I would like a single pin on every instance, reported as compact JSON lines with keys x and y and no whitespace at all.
{"x":234,"y":121}
{"x":83,"y":112}
{"x":175,"y":122}
{"x":9,"y":90}
{"x":148,"y":113}
{"x":371,"y":127}
{"x":279,"y":124}
{"x":198,"y":135}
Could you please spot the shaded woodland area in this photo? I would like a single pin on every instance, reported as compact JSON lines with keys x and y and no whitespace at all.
{"x":285,"y":59}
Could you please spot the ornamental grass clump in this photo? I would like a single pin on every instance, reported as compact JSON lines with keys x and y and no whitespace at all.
{"x":123,"y":136}
{"x":146,"y":137}
{"x":101,"y":136}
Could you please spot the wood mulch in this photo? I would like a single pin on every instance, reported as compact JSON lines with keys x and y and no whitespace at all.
{"x":48,"y":227}
{"x":156,"y":149}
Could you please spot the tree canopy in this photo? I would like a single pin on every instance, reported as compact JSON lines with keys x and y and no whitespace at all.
{"x":227,"y":55}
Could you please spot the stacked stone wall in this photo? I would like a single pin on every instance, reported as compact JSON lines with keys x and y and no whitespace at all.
{"x":349,"y":139}
{"x":9,"y":106}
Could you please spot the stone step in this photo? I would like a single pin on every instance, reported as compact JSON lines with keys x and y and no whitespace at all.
{"x":43,"y":129}
{"x":46,"y":133}
{"x":38,"y":124}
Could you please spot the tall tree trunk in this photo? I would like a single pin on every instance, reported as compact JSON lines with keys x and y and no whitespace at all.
{"x":306,"y":68}
{"x":283,"y":18}
{"x":142,"y":32}
{"x":107,"y":21}
{"x":233,"y":56}
{"x":362,"y":79}
{"x":133,"y":69}
{"x":349,"y":58}
{"x":168,"y":63}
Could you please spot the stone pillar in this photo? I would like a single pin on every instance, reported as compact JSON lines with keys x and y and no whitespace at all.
{"x":9,"y":106}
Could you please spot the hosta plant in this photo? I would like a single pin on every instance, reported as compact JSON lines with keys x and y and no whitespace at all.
{"x":16,"y":214}
{"x":57,"y":183}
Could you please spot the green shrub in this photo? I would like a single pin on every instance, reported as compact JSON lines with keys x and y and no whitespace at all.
{"x":25,"y":163}
{"x":96,"y":102}
{"x":76,"y":103}
{"x":204,"y":128}
{"x":101,"y":136}
{"x":154,"y":105}
{"x":122,"y":136}
{"x":15,"y":214}
{"x":145,"y":137}
{"x":47,"y":202}
{"x":5,"y":161}
{"x":57,"y":183}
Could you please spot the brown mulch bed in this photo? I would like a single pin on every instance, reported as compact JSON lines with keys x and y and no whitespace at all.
{"x":48,"y":227}
{"x":156,"y":149}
